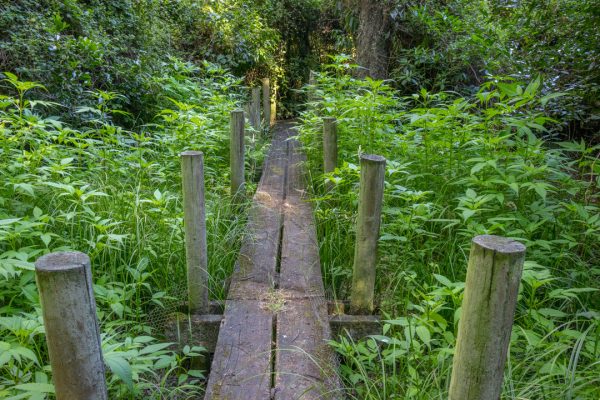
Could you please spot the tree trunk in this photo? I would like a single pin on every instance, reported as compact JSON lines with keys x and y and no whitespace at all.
{"x":373,"y":42}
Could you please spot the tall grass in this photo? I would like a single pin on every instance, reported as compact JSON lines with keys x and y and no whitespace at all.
{"x":459,"y":167}
{"x":115,"y":195}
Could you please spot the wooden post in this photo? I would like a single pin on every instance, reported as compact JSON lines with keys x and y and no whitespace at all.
{"x":266,"y":101}
{"x":329,"y":144}
{"x":312,"y":81}
{"x":372,"y":179}
{"x":273,"y":114}
{"x":192,"y":171}
{"x":236,"y":153}
{"x":255,"y":109}
{"x":492,"y":285}
{"x":65,"y":284}
{"x":246,"y":108}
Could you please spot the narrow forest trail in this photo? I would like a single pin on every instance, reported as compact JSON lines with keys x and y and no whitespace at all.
{"x":273,"y":338}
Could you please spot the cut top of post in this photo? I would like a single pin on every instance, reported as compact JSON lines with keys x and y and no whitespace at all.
{"x":499,"y":244}
{"x":237,"y":111}
{"x":372,"y":159}
{"x":62,"y":261}
{"x":191,"y":153}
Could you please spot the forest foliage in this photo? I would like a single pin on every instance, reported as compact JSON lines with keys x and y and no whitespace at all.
{"x":98,"y":98}
{"x":459,"y":167}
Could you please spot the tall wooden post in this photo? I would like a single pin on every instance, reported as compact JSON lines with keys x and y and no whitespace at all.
{"x":255,"y":108}
{"x":194,"y":215}
{"x":266,"y":89}
{"x":329,"y":144}
{"x":236,"y":153}
{"x":372,"y":180}
{"x":69,"y":309}
{"x":490,"y":298}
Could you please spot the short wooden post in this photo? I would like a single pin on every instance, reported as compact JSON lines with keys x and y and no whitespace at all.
{"x":236,"y":153}
{"x":372,"y":179}
{"x":329,"y":144}
{"x":490,"y":298}
{"x":266,"y":89}
{"x":255,"y":108}
{"x":194,"y":216}
{"x":69,"y":309}
{"x":312,"y":81}
{"x":246,"y":107}
{"x":273,"y":114}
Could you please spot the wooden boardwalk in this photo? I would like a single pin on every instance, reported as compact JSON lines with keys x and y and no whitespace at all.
{"x":272,"y":342}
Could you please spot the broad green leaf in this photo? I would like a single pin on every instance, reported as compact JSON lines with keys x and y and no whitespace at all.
{"x":120,"y":367}
{"x":389,"y":237}
{"x":424,"y":334}
{"x":443,"y":280}
{"x":544,"y":100}
{"x":36,"y":387}
{"x":46,"y":238}
{"x":153,"y":348}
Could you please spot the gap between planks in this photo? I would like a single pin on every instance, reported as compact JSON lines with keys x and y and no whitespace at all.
{"x":273,"y":339}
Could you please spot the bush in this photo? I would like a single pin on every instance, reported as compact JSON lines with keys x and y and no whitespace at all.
{"x":113,"y":194}
{"x":75,"y":47}
{"x":456,"y":168}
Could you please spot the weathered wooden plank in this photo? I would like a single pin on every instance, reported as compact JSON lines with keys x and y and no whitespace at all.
{"x":241,"y":367}
{"x":255,"y":270}
{"x":300,"y":272}
{"x":305,"y":364}
{"x":274,"y":168}
{"x":356,"y":326}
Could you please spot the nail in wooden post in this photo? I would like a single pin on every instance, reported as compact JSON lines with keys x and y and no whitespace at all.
{"x":255,"y":109}
{"x":236,"y":153}
{"x":492,"y":285}
{"x":64,"y":281}
{"x":192,"y":171}
{"x":372,"y":178}
{"x":266,"y":101}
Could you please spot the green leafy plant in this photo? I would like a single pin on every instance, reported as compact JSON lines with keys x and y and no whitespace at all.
{"x":114,"y":193}
{"x":458,"y":167}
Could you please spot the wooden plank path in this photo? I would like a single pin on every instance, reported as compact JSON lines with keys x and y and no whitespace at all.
{"x":272,"y":342}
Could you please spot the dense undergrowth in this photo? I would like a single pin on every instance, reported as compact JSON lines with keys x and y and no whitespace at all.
{"x":89,"y":162}
{"x":458,"y":167}
{"x":115,"y":195}
{"x":77,"y":46}
{"x":454,"y":45}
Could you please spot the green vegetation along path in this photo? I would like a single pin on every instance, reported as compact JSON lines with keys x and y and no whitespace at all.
{"x":273,"y":338}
